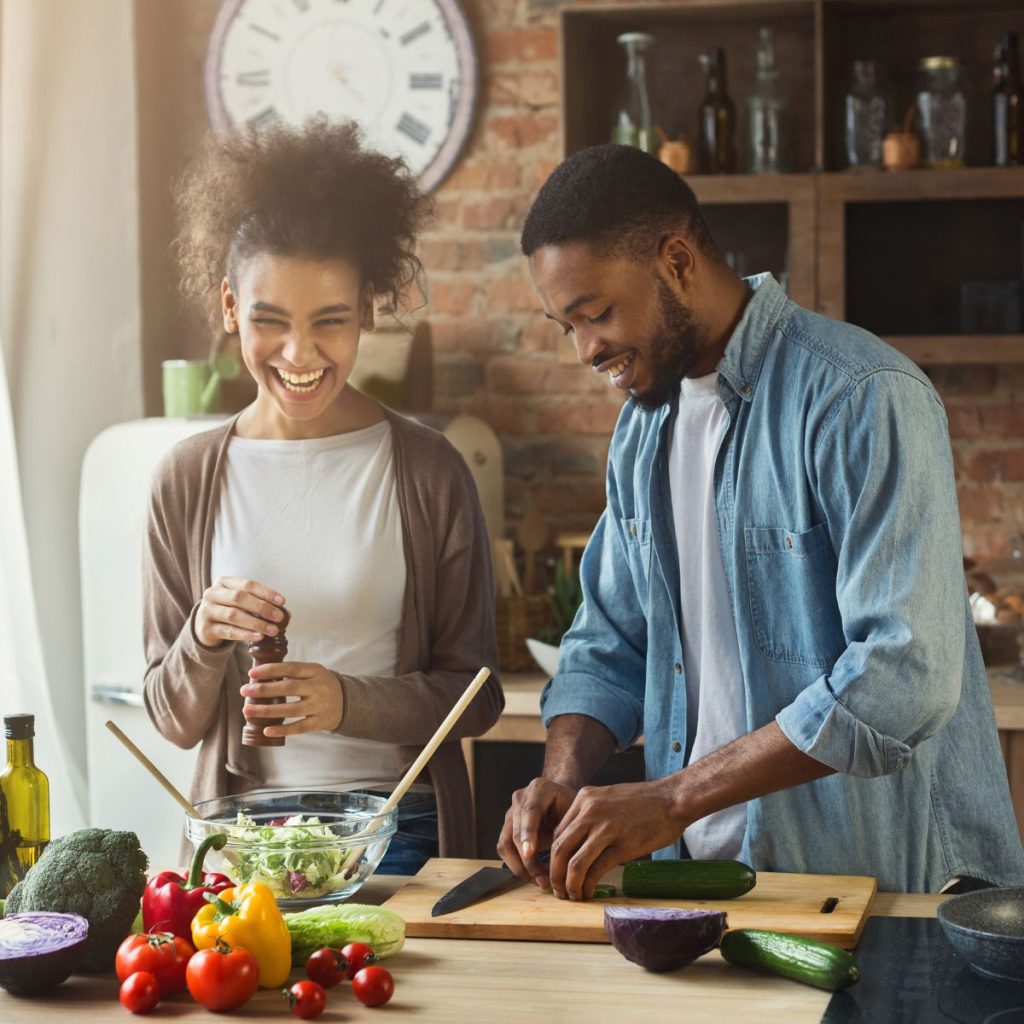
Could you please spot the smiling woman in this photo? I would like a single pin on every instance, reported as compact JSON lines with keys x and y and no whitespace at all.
{"x":366,"y":524}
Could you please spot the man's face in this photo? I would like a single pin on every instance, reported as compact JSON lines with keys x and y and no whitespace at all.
{"x":626,"y":319}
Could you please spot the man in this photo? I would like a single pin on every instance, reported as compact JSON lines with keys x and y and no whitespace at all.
{"x":774,"y":594}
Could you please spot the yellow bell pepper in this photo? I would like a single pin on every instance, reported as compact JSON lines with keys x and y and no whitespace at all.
{"x":247,"y":916}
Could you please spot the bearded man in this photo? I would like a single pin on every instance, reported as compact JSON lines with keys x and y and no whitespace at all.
{"x":773,"y":596}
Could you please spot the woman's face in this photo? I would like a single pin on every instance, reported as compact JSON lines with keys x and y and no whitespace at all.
{"x":299,"y":321}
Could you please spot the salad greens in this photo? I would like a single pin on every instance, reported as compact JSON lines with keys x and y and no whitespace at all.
{"x":300,"y":861}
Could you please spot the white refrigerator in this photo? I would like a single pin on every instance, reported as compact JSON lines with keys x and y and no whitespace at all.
{"x":113,"y":503}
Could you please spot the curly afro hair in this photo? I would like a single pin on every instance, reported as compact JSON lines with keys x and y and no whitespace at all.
{"x":618,"y":199}
{"x":314,"y":191}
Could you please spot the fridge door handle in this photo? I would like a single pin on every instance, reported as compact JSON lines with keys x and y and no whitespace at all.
{"x":117,"y":695}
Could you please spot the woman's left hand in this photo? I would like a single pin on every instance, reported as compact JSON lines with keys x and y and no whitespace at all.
{"x":320,"y":704}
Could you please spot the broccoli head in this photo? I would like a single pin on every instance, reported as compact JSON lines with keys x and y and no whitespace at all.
{"x":94,"y":872}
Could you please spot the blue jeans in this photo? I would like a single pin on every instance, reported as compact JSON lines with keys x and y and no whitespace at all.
{"x":415,"y":842}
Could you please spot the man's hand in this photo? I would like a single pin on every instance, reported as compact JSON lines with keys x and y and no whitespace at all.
{"x":530,"y":823}
{"x":320,"y":705}
{"x":608,"y":825}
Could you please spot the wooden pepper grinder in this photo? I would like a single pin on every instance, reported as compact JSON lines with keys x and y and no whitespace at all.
{"x":268,"y":651}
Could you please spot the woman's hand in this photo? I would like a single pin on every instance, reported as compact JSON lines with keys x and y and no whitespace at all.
{"x":320,"y":704}
{"x":237,"y":609}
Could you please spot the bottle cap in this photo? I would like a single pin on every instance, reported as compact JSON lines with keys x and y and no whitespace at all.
{"x":19,"y":727}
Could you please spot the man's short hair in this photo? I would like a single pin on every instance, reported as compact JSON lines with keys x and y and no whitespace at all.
{"x":618,"y":199}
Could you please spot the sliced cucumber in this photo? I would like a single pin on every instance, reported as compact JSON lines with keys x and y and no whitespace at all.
{"x":687,"y":879}
{"x":814,"y":963}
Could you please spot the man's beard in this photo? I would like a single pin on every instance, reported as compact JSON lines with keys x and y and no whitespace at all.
{"x":672,"y":350}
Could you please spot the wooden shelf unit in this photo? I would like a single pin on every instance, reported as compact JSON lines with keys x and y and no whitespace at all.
{"x":815,"y":42}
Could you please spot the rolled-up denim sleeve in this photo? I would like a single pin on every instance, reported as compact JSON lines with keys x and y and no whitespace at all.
{"x":602,"y":660}
{"x":886,"y":482}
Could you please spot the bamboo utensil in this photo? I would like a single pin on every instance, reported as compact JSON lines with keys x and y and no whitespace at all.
{"x":424,"y":756}
{"x":154,"y":771}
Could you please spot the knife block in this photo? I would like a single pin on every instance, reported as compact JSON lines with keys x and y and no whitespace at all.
{"x":268,"y":651}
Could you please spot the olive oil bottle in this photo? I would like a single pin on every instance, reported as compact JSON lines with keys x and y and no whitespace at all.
{"x":24,"y":804}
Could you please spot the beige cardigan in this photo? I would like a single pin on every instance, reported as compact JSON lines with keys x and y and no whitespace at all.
{"x":446,"y":635}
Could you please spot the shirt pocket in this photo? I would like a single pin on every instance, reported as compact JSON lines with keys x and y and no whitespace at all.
{"x":637,"y":534}
{"x":791,"y":577}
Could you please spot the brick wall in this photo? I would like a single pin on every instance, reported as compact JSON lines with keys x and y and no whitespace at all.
{"x":499,"y":359}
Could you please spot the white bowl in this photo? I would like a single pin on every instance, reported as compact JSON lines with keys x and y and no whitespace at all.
{"x":546,"y":655}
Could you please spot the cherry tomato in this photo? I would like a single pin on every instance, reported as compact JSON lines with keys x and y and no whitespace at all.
{"x":163,"y":954}
{"x":140,"y":992}
{"x":326,"y":967}
{"x":373,"y":986}
{"x":306,"y":998}
{"x":357,"y":955}
{"x":222,"y":978}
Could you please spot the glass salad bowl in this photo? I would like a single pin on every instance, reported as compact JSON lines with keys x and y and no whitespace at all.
{"x":310,"y":847}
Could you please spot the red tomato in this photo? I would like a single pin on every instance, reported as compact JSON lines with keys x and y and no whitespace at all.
{"x":140,"y":992}
{"x":306,"y":998}
{"x":222,"y":978}
{"x":163,"y":954}
{"x":373,"y":986}
{"x":357,"y":955}
{"x":326,"y":967}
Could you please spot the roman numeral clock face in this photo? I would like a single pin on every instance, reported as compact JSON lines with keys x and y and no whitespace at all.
{"x":404,"y":70}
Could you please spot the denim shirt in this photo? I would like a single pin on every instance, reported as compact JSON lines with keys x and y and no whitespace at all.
{"x":840,"y":534}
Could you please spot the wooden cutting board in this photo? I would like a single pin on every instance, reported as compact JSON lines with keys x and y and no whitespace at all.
{"x":781,"y":902}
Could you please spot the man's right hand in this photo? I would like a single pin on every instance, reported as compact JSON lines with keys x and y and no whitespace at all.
{"x":237,"y":609}
{"x":529,"y":825}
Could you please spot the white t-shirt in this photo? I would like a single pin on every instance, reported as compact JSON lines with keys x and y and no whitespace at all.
{"x":715,"y":701}
{"x":318,"y":520}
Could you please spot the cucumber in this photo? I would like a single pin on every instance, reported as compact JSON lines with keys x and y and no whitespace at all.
{"x":687,"y":879}
{"x":814,"y":963}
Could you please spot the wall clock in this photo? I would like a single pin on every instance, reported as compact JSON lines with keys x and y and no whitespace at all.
{"x":404,"y":70}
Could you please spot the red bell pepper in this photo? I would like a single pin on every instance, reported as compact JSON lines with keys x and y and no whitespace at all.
{"x":170,"y":901}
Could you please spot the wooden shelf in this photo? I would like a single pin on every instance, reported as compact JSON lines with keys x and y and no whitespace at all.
{"x":961,"y":349}
{"x":751,"y":188}
{"x":925,"y":184}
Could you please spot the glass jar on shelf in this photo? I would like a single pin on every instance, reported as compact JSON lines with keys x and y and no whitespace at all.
{"x":633,"y":123}
{"x":866,"y":113}
{"x":941,"y":97}
{"x":767,"y":112}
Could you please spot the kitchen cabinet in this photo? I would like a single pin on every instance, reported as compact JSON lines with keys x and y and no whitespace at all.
{"x":520,"y":725}
{"x":885,"y":250}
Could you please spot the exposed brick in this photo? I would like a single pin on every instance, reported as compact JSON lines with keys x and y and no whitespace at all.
{"x":457,"y":379}
{"x":581,"y":499}
{"x":538,"y":459}
{"x":964,"y":420}
{"x":498,"y":212}
{"x":1001,"y":419}
{"x":517,"y":131}
{"x":521,"y":46}
{"x":500,"y":250}
{"x":541,"y":335}
{"x":510,"y":296}
{"x":448,"y":254}
{"x":505,"y":416}
{"x":453,"y":296}
{"x":467,"y":335}
{"x":534,"y":89}
{"x":989,"y":465}
{"x":566,"y":418}
{"x":983,"y":505}
{"x":477,"y":174}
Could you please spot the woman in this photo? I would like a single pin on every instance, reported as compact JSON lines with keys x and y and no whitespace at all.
{"x":364,"y":523}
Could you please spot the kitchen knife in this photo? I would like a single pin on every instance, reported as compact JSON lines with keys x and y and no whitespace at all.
{"x":485,"y":882}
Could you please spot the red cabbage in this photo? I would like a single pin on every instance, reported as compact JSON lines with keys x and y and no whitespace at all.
{"x":39,"y":950}
{"x":662,"y":938}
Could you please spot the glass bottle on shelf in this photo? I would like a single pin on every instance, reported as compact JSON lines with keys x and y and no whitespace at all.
{"x":25,"y":803}
{"x":767,"y":112}
{"x":1007,"y":105}
{"x":633,"y":124}
{"x":716,"y":137}
{"x":941,"y":96}
{"x":865,"y":114}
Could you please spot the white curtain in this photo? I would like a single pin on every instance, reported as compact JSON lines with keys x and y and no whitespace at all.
{"x":70,"y":334}
{"x":23,"y":683}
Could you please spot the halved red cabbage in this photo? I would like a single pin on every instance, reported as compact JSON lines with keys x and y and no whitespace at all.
{"x":39,"y":950}
{"x":662,"y":938}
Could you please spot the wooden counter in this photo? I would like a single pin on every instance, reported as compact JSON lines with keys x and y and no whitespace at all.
{"x":461,"y":981}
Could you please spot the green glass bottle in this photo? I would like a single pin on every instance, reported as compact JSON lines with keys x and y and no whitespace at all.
{"x":24,"y":803}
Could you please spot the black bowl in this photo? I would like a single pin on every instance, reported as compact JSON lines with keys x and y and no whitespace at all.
{"x":987,"y":928}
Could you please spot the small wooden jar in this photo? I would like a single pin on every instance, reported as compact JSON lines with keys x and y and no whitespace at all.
{"x":900,"y":151}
